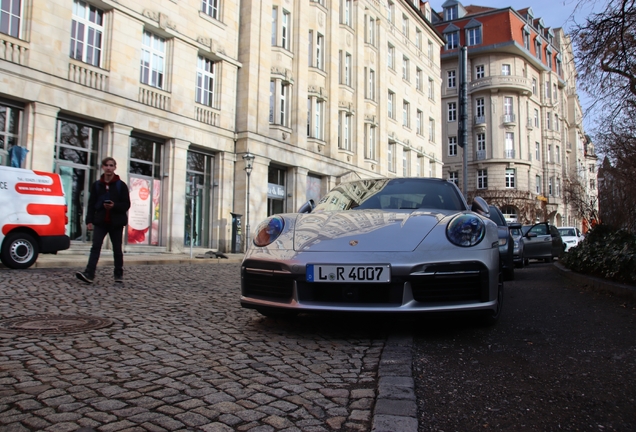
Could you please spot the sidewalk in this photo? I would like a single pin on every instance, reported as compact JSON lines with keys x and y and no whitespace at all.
{"x":79,"y":259}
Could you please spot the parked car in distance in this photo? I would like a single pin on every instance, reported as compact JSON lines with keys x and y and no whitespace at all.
{"x":506,"y":243}
{"x":406,"y":245}
{"x":542,"y":241}
{"x":518,"y":246}
{"x":571,"y":236}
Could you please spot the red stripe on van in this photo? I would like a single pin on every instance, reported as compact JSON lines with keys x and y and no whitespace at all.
{"x":57,"y":213}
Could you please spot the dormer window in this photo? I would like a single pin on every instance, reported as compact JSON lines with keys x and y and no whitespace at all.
{"x":452,"y":36}
{"x":473,"y":33}
{"x":450,"y":13}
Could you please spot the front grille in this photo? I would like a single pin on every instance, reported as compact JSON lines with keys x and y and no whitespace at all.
{"x":451,"y":283}
{"x":273,"y":287}
{"x":350,"y":293}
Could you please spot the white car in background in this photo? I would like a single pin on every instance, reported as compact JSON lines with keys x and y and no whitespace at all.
{"x":571,"y":236}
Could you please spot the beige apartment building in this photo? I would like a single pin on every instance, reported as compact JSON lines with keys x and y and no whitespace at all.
{"x":524,"y":131}
{"x":178,"y":92}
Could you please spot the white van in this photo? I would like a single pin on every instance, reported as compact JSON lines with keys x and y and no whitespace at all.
{"x":32,"y":216}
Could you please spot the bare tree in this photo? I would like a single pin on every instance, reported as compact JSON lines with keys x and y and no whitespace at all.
{"x":576,"y":197}
{"x":606,"y":60}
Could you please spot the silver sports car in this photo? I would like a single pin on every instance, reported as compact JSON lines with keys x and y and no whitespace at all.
{"x":377,"y":245}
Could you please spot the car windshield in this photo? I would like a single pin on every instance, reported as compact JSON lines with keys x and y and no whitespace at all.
{"x":567,"y":232}
{"x":398,"y":193}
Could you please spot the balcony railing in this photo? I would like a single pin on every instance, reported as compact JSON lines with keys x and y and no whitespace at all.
{"x":480,"y":119}
{"x":508,"y":118}
{"x":15,"y":52}
{"x":509,"y":153}
{"x":154,"y":98}
{"x":87,"y":76}
{"x":481,"y":154}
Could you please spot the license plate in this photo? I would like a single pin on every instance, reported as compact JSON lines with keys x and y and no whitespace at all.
{"x":377,"y":273}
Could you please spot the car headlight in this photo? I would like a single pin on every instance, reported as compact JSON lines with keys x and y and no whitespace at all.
{"x":466,"y":230}
{"x":268,"y":231}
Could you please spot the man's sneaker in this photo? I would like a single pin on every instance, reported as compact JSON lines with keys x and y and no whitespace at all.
{"x":84,"y":277}
{"x":119,"y":279}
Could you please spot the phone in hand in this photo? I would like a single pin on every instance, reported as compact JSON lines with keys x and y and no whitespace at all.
{"x":108,"y":202}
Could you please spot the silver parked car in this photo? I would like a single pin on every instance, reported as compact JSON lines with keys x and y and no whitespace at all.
{"x":542,"y":241}
{"x":518,"y":246}
{"x":377,"y":245}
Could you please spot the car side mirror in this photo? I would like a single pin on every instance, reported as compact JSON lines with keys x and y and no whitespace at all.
{"x":514,"y":225}
{"x":308,"y":207}
{"x":480,"y":206}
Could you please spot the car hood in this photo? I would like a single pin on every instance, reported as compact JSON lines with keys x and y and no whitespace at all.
{"x":367,"y":230}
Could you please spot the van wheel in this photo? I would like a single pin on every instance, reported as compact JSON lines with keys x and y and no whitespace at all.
{"x":19,"y":250}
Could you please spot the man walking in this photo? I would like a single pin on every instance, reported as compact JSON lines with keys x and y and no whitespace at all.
{"x":108,"y":204}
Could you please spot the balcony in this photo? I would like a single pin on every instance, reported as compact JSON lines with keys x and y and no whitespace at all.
{"x":509,"y":119}
{"x":530,"y":124}
{"x":13,"y":50}
{"x":509,"y":154}
{"x":481,"y":154}
{"x":154,"y":98}
{"x":480,"y":119}
{"x":502,"y":82}
{"x":88,"y":76}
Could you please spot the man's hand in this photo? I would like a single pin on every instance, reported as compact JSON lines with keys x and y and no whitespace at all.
{"x":89,"y":226}
{"x":109,"y":205}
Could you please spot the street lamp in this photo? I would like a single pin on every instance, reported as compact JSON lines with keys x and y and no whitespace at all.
{"x":249,"y":160}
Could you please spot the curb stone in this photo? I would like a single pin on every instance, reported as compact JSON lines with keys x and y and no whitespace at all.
{"x":599,"y":284}
{"x":395,"y":407}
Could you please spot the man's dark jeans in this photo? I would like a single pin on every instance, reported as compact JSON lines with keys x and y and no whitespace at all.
{"x":99,"y":233}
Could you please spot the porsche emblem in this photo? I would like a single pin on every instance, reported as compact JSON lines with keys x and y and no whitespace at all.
{"x":353,"y":243}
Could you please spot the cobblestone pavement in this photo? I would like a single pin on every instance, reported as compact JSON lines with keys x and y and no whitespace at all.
{"x":180,"y":355}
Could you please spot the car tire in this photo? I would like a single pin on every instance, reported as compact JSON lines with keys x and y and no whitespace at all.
{"x":492,"y":317}
{"x":548,"y":260}
{"x":509,"y":274}
{"x":20,"y":250}
{"x":526,"y":262}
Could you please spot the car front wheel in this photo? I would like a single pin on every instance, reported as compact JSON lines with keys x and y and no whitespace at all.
{"x":19,"y":250}
{"x":492,"y":317}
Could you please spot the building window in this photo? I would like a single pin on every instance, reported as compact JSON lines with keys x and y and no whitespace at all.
{"x":369,"y":140}
{"x":473,"y":36}
{"x":538,"y":184}
{"x":405,"y":162}
{"x":482,"y":179}
{"x":418,"y":38}
{"x":86,"y":33}
{"x":450,"y":13}
{"x":452,"y":80}
{"x":391,"y":105}
{"x":556,"y":122}
{"x":390,"y":12}
{"x":550,"y":181}
{"x":536,"y":118}
{"x":547,"y":120}
{"x":509,"y":145}
{"x":452,"y":40}
{"x":508,"y":110}
{"x":534,"y":86}
{"x":418,"y":79}
{"x":505,"y":69}
{"x":345,"y":68}
{"x":279,"y":100}
{"x":481,"y":146}
{"x":406,"y":114}
{"x":10,"y":118}
{"x":390,"y":157}
{"x":526,"y":40}
{"x":371,"y":31}
{"x":549,"y":153}
{"x":452,"y":146}
{"x":391,"y":56}
{"x":558,"y":154}
{"x":510,"y":178}
{"x":280,"y":31}
{"x":315,"y":114}
{"x":345,"y":12}
{"x":453,"y":176}
{"x":316,"y":50}
{"x":479,"y":71}
{"x":370,"y":87}
{"x":480,"y":109}
{"x":431,"y":88}
{"x":406,"y":65}
{"x":211,"y":8}
{"x":153,"y":51}
{"x":10,"y":17}
{"x":431,"y":50}
{"x":452,"y":111}
{"x":537,"y":47}
{"x":405,"y":26}
{"x":344,"y":131}
{"x":205,"y":89}
{"x":431,"y":129}
{"x":537,"y":151}
{"x":555,"y":93}
{"x":420,"y":122}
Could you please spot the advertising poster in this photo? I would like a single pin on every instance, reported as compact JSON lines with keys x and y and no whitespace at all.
{"x":139,"y":213}
{"x":156,"y":198}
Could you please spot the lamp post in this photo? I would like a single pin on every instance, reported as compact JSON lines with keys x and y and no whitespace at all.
{"x":249,"y":160}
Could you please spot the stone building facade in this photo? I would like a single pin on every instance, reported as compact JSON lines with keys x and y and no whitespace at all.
{"x":179,"y":91}
{"x":525,"y":135}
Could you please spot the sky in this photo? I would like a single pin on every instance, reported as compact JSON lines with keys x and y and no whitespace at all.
{"x":555,"y":13}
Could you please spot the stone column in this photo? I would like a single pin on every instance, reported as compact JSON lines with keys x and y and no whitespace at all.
{"x":40,"y":121}
{"x":223,"y":196}
{"x":297,"y":188}
{"x":174,"y":194}
{"x":116,"y":144}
